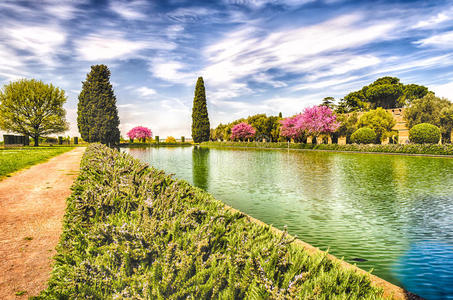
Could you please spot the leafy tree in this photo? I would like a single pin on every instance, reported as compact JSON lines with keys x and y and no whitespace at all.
{"x":328,"y":101}
{"x":424,"y":133}
{"x":379,"y":120}
{"x":363,"y":135}
{"x":32,"y":108}
{"x":348,"y":125}
{"x":200,"y":119}
{"x":384,"y":95}
{"x":140,"y":132}
{"x":352,"y":102}
{"x":426,"y":110}
{"x":97,"y":115}
{"x":412,"y":92}
{"x":446,"y":121}
{"x":290,"y":127}
{"x":242,"y":131}
{"x":170,"y":139}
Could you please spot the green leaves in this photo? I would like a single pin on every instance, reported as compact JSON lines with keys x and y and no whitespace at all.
{"x":32,"y":108}
{"x":200,"y":119}
{"x":97,"y":114}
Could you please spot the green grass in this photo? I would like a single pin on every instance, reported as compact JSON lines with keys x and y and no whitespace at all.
{"x":14,"y":159}
{"x":133,"y":232}
{"x":431,"y":149}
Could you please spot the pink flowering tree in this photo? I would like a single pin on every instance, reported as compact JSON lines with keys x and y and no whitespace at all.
{"x":290,"y":128}
{"x":318,"y":120}
{"x":242,"y":131}
{"x":314,"y":121}
{"x":140,"y":133}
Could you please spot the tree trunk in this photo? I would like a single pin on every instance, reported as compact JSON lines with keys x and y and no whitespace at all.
{"x":36,"y":138}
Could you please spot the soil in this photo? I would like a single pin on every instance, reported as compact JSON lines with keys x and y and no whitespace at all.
{"x":32,"y":205}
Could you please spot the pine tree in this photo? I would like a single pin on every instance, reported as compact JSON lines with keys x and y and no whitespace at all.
{"x":200,"y":120}
{"x":97,"y":115}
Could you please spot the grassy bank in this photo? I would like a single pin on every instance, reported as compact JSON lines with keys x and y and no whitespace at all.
{"x":432,"y":149}
{"x":14,"y":159}
{"x":131,"y":231}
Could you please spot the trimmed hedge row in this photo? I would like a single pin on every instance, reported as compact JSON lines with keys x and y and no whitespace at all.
{"x":434,"y":149}
{"x":132,"y":232}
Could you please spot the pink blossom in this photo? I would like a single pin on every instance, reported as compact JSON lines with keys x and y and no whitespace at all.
{"x":242,"y":131}
{"x":139,"y":132}
{"x":314,"y":121}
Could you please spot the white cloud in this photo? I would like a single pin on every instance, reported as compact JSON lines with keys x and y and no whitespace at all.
{"x":110,"y":45}
{"x":131,"y":10}
{"x":443,"y":40}
{"x":434,"y":20}
{"x":146,"y":91}
{"x":172,"y":71}
{"x":43,"y":42}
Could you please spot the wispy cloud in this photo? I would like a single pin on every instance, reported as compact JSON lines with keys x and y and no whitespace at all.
{"x":130,"y":10}
{"x":146,"y":91}
{"x":443,"y":40}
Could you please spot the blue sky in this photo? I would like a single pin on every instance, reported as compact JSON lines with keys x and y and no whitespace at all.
{"x":257,"y":56}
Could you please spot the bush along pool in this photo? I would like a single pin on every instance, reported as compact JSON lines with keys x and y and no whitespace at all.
{"x":430,"y":149}
{"x":131,"y":231}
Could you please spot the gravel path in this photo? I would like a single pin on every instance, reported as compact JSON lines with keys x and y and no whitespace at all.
{"x":32,"y":205}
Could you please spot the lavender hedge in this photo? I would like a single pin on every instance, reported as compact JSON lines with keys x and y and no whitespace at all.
{"x":133,"y":232}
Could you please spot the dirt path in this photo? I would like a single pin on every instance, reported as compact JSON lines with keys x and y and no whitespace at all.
{"x":32,"y":205}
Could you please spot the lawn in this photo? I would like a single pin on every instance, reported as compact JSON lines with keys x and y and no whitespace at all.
{"x":15,"y":159}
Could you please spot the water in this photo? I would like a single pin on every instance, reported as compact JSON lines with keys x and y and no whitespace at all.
{"x":392,"y":214}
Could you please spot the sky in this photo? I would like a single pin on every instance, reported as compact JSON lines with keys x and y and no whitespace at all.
{"x":255,"y":56}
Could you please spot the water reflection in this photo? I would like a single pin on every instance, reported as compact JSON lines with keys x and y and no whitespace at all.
{"x":200,"y":167}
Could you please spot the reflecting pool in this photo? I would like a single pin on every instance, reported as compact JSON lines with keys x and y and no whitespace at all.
{"x":389,"y":213}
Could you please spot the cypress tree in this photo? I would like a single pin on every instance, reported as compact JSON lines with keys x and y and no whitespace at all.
{"x":200,"y":120}
{"x":97,"y":115}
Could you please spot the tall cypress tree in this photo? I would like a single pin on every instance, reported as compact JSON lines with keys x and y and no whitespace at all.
{"x":200,"y":120}
{"x":97,"y":115}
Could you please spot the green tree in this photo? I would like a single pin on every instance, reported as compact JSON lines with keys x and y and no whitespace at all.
{"x":446,"y":122}
{"x":426,"y":110}
{"x":328,"y":101}
{"x":200,"y":119}
{"x":380,"y":120}
{"x":348,"y":125}
{"x":32,"y":108}
{"x":384,"y":95}
{"x":97,"y":114}
{"x":412,"y":92}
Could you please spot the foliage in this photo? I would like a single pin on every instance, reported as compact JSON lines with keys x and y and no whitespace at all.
{"x":140,"y":132}
{"x":446,"y":121}
{"x":97,"y":115}
{"x":132,"y":232}
{"x":386,"y":92}
{"x":424,"y":133}
{"x":32,"y":108}
{"x":242,"y":131}
{"x":329,"y":102}
{"x":380,"y":121}
{"x":426,"y":110}
{"x":363,"y":135}
{"x":429,"y":149}
{"x":314,"y":121}
{"x":200,"y":119}
{"x":12,"y":160}
{"x":170,"y":139}
{"x":348,"y":124}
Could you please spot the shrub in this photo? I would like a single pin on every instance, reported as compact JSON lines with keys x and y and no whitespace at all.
{"x":363,"y":135}
{"x":132,"y":232}
{"x":424,"y":133}
{"x":170,"y":139}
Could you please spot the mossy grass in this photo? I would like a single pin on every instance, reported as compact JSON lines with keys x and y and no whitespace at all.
{"x":133,"y":232}
{"x":14,"y":159}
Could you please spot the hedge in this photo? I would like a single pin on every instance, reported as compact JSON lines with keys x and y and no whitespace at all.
{"x":424,"y":133}
{"x":363,"y":135}
{"x":133,"y":232}
{"x":431,"y":149}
